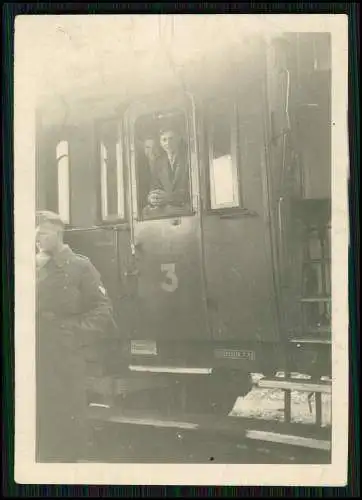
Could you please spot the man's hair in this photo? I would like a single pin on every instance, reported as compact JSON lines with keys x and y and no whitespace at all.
{"x":46,"y":216}
{"x":163,"y":130}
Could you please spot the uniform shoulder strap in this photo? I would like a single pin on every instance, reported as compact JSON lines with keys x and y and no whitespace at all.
{"x":81,"y":256}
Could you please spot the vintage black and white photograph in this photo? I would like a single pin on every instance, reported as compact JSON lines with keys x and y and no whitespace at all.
{"x":181,"y":193}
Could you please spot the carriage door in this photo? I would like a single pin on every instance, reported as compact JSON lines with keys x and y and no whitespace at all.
{"x":236,"y":235}
{"x":166,"y":232}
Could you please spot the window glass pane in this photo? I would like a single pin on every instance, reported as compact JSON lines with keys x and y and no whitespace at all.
{"x":112,"y":184}
{"x":162,"y":164}
{"x":223,"y":158}
{"x":62,"y":155}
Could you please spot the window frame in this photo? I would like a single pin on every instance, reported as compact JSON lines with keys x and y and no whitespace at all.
{"x":224,"y":208}
{"x":188,"y":141}
{"x":58,"y":158}
{"x":104,"y":218}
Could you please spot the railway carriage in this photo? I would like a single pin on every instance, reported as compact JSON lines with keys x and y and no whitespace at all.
{"x":237,"y":279}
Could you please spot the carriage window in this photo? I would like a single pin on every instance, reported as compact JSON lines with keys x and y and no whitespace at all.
{"x":111,"y":172}
{"x":162,"y":165}
{"x":62,"y":156}
{"x":222,"y":134}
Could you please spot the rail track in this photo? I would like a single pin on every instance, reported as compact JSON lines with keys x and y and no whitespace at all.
{"x":128,"y":443}
{"x":241,"y":437}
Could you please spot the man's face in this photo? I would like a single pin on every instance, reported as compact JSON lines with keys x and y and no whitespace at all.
{"x":168,"y":141}
{"x":48,"y":237}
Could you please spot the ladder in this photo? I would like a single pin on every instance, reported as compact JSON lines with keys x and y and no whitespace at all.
{"x":315,"y":303}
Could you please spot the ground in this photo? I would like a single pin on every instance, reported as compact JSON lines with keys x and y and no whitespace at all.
{"x":130,"y":443}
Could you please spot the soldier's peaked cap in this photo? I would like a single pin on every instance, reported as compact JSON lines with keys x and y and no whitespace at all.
{"x":44,"y":216}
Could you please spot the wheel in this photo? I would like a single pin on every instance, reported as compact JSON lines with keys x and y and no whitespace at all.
{"x":216,"y":393}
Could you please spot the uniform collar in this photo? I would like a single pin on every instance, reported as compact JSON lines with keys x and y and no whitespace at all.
{"x":42,"y":259}
{"x":63,"y":256}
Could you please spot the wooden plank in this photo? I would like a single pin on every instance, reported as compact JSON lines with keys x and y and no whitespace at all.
{"x":287,"y":406}
{"x":296,"y":385}
{"x":288,"y":439}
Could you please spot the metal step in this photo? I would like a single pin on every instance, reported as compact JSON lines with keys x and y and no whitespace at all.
{"x":171,"y":369}
{"x":316,"y":299}
{"x":317,"y":261}
{"x":311,"y":340}
{"x":296,"y":385}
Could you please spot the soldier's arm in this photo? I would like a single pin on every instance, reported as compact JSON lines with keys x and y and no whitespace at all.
{"x":97,"y":306}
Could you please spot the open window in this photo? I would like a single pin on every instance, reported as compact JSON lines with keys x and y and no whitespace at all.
{"x":223,"y":161}
{"x":63,"y":176}
{"x":112,"y":193}
{"x":162,"y":164}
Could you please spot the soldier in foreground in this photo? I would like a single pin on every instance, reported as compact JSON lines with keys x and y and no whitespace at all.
{"x":73,"y":309}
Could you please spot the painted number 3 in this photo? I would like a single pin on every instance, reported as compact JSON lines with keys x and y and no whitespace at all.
{"x":171,"y":281}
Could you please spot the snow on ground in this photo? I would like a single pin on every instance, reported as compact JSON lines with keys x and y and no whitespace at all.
{"x":269,"y":404}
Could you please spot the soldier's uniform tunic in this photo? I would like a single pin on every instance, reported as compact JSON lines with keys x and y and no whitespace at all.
{"x":73,"y":309}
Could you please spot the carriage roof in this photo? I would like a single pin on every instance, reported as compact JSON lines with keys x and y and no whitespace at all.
{"x":100,"y":62}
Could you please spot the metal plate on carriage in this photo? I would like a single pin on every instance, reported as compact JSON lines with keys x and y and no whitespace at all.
{"x":142,"y":347}
{"x":235,"y":354}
